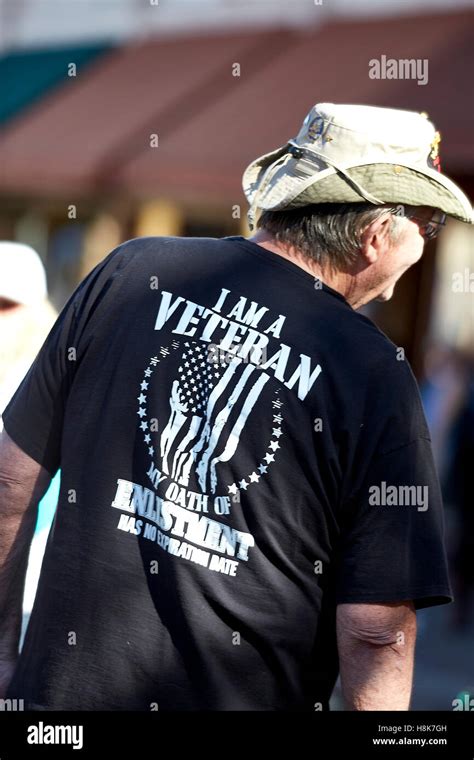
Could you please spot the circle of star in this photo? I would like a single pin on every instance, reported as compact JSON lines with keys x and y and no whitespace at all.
{"x":269,"y":458}
{"x":198,"y":375}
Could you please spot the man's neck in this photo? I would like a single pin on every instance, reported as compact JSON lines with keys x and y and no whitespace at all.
{"x":341,"y":282}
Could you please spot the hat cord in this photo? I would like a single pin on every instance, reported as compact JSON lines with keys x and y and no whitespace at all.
{"x":356,"y":185}
{"x":365,"y":194}
{"x":251,"y":214}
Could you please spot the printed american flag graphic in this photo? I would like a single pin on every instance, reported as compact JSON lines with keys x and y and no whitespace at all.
{"x":210,"y":403}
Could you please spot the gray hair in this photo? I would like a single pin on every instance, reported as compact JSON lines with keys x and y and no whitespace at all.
{"x":329,"y":234}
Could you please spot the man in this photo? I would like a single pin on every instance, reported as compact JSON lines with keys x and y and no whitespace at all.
{"x":249,"y":499}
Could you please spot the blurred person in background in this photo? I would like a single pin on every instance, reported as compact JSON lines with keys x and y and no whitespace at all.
{"x":443,"y":392}
{"x":26,"y":317}
{"x":448,"y":399}
{"x":460,"y":487}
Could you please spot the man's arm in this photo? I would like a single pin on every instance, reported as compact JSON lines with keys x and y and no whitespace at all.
{"x":23,"y":482}
{"x":376,"y":644}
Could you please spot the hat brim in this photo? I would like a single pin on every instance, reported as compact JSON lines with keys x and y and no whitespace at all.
{"x":293,"y":184}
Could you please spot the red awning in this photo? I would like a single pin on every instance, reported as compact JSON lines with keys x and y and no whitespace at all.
{"x":93,"y":135}
{"x":87,"y":128}
{"x":260,"y":112}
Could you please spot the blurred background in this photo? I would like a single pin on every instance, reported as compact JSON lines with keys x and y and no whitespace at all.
{"x":121,"y":118}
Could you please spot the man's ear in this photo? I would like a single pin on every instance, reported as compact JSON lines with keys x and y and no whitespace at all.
{"x":374,"y":238}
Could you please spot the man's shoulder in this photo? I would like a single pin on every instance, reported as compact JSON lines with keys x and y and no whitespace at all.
{"x":365,"y":341}
{"x":371,"y":358}
{"x":142,"y":253}
{"x":151,"y":243}
{"x":373,"y":375}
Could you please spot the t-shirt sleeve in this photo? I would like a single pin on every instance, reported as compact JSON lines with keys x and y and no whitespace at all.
{"x":34,"y":417}
{"x":391,"y":545}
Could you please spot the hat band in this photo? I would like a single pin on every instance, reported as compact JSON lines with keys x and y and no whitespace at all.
{"x":295,"y":149}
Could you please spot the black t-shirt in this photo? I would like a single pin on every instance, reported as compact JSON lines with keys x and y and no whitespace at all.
{"x":240,"y":451}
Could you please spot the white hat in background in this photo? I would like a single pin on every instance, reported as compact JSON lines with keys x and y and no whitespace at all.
{"x":352,"y":154}
{"x":22,"y":274}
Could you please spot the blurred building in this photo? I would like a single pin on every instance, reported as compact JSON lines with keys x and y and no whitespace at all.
{"x":149,"y":133}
